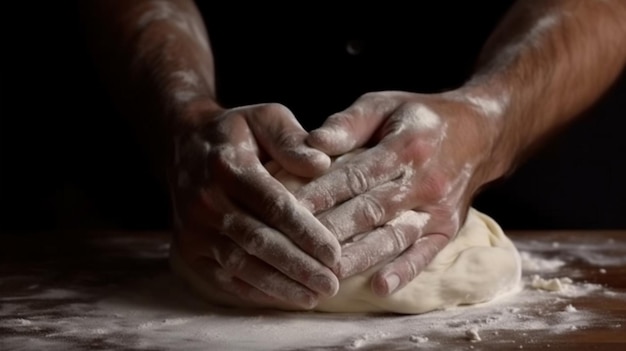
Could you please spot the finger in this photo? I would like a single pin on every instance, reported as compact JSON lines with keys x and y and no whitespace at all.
{"x":209,"y":279}
{"x":369,"y":210}
{"x":278,"y":251}
{"x":280,"y":134}
{"x":352,"y":128}
{"x":383,"y":243}
{"x":267,"y":198}
{"x":238,"y":264}
{"x":362,"y":173}
{"x":235,"y":291}
{"x":398,"y":273}
{"x":257,"y":239}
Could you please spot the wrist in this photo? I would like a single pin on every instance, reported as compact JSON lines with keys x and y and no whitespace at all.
{"x":192,"y":116}
{"x":490,"y":106}
{"x":185,"y":136}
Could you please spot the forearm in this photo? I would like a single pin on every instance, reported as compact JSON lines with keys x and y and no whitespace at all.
{"x":546,"y":62}
{"x":156,"y":58}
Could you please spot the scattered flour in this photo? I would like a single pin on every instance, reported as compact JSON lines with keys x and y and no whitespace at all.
{"x":603,"y":253}
{"x":535,"y":263}
{"x":570,"y":308}
{"x":141,"y":306}
{"x":472,"y":334}
{"x":418,"y":339}
{"x":156,"y":313}
{"x":553,"y":284}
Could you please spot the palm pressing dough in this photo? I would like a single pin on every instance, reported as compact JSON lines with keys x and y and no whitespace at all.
{"x":478,"y":265}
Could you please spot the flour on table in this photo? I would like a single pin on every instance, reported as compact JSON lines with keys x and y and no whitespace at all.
{"x":472,"y":334}
{"x":553,"y":284}
{"x":140,"y":305}
{"x":479,"y":265}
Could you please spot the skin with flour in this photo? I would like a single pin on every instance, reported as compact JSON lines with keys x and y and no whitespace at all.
{"x":237,"y":226}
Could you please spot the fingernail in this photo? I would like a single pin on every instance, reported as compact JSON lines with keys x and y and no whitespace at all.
{"x":392,"y":281}
{"x":324,"y":284}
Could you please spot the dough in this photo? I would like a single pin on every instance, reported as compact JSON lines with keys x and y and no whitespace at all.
{"x":480,"y":264}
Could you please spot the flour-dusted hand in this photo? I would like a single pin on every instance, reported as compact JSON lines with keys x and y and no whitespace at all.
{"x":411,"y":189}
{"x":237,"y":226}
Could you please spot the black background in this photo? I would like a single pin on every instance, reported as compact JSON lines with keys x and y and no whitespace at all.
{"x":70,"y":161}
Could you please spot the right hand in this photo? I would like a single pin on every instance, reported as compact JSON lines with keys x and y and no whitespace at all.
{"x":237,"y":227}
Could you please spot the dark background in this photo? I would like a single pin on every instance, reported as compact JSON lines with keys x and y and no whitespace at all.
{"x":69,"y":161}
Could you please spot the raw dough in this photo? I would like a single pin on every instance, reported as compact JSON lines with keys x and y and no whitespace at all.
{"x":480,"y":264}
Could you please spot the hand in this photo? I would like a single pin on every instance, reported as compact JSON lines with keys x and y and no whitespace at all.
{"x":411,"y":190}
{"x":237,"y":226}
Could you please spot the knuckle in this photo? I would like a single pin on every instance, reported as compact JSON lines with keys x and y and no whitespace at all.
{"x":221,"y":159}
{"x":434,"y":187}
{"x":370,"y":96}
{"x":356,"y":179}
{"x":234,"y":261}
{"x":273,"y":109}
{"x":411,"y":267}
{"x":289,"y":140}
{"x":257,"y":241}
{"x":398,"y":240}
{"x":377,"y":96}
{"x":419,"y":149}
{"x":372,"y":212}
{"x":277,"y":206}
{"x":317,"y":198}
{"x":329,"y":222}
{"x":354,"y":261}
{"x":224,"y":278}
{"x":326,"y":199}
{"x":338,"y":118}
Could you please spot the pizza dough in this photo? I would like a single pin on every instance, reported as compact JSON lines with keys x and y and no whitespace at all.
{"x":479,"y":265}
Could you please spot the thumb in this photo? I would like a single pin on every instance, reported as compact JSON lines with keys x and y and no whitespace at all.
{"x":353,"y":127}
{"x":278,"y":132}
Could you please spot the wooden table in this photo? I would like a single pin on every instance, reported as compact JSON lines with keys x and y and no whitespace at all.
{"x":113,"y":291}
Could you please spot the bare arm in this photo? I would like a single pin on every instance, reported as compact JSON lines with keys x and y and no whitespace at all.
{"x":156,"y":58}
{"x":547,"y":62}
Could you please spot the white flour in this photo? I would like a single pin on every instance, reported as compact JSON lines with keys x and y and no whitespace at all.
{"x":156,"y":312}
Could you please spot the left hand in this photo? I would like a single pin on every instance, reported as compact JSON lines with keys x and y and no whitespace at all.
{"x":411,"y":189}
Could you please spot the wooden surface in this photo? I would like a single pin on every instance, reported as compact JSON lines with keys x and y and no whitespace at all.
{"x":42,"y":275}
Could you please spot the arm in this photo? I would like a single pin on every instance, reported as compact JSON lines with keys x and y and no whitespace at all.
{"x":236,"y":226}
{"x":546,"y":62}
{"x":155,"y":58}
